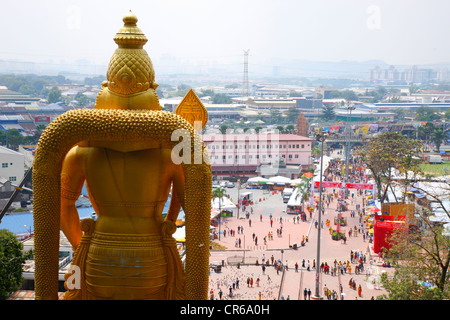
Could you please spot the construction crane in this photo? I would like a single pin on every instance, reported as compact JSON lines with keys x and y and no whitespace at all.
{"x":19,"y":188}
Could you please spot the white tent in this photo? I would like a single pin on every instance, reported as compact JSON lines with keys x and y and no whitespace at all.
{"x":297,"y":181}
{"x":295,"y":199}
{"x":439,"y":212}
{"x":180,"y":234}
{"x":326,"y":162}
{"x":440,"y":190}
{"x":257,"y":180}
{"x":279,"y":179}
{"x":226,"y":204}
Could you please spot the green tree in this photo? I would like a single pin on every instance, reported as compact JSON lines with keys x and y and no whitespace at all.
{"x":82,"y":99}
{"x":54,"y":95}
{"x":420,"y":255}
{"x":385,"y":153}
{"x":304,"y":189}
{"x":12,"y":259}
{"x":206,"y":92}
{"x":2,"y":138}
{"x":293,"y":113}
{"x":346,"y":94}
{"x":289,"y":129}
{"x":400,"y":113}
{"x":413,"y":89}
{"x":316,"y":151}
{"x":280,"y":129}
{"x":38,"y":131}
{"x":14,"y":138}
{"x":426,"y":113}
{"x":259,"y":116}
{"x":232,"y":86}
{"x":328,"y":112}
{"x":424,"y":132}
{"x":447,"y":114}
{"x":221,"y":99}
{"x":223,"y":129}
{"x":294,"y":93}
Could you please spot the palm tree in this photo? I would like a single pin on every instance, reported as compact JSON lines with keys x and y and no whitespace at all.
{"x":304,"y":189}
{"x":219,"y":193}
{"x":437,"y":136}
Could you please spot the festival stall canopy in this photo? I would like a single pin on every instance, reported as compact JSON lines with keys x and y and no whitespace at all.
{"x":226,"y":204}
{"x":280,"y":179}
{"x":257,"y":180}
{"x":180,"y":234}
{"x":295,"y":199}
{"x":296,"y":181}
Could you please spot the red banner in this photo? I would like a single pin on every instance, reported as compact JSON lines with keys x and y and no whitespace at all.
{"x":359,"y":186}
{"x":330,"y":184}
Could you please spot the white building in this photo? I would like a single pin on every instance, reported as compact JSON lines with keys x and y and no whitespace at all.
{"x":12,"y":165}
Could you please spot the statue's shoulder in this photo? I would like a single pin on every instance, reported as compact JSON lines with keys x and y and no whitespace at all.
{"x":75,"y":154}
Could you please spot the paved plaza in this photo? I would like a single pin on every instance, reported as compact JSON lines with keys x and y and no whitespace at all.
{"x":291,"y":283}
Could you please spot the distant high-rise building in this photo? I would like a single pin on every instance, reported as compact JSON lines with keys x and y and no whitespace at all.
{"x":413,"y":74}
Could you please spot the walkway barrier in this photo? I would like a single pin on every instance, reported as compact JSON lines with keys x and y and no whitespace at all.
{"x":301,"y":285}
{"x":281,"y":284}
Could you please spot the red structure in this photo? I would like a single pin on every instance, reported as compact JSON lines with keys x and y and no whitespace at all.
{"x":383,"y":228}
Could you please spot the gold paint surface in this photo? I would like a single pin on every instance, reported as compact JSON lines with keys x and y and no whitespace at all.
{"x":122,"y":150}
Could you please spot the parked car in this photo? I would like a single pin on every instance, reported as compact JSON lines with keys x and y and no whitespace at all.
{"x":230,"y":185}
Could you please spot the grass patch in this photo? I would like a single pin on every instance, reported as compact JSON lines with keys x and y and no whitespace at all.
{"x":436,"y":170}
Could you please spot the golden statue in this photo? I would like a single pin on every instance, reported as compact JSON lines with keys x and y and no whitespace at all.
{"x":123,"y":150}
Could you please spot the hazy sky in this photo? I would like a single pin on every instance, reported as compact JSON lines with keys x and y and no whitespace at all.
{"x":402,"y":32}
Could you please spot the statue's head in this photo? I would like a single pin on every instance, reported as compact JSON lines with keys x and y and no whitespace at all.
{"x":130,"y":77}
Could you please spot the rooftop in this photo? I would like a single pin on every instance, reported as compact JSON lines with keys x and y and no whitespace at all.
{"x":252,"y":137}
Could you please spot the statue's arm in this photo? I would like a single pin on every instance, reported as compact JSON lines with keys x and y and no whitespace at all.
{"x":72,"y":180}
{"x":177,"y":200}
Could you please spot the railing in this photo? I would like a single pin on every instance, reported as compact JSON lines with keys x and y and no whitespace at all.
{"x":64,"y":262}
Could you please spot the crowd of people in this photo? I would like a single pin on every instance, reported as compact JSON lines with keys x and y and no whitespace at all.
{"x":344,"y":203}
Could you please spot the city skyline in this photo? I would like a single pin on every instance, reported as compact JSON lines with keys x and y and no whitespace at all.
{"x":208,"y":32}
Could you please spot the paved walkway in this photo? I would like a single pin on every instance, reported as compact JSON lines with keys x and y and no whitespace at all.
{"x":292,"y":283}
